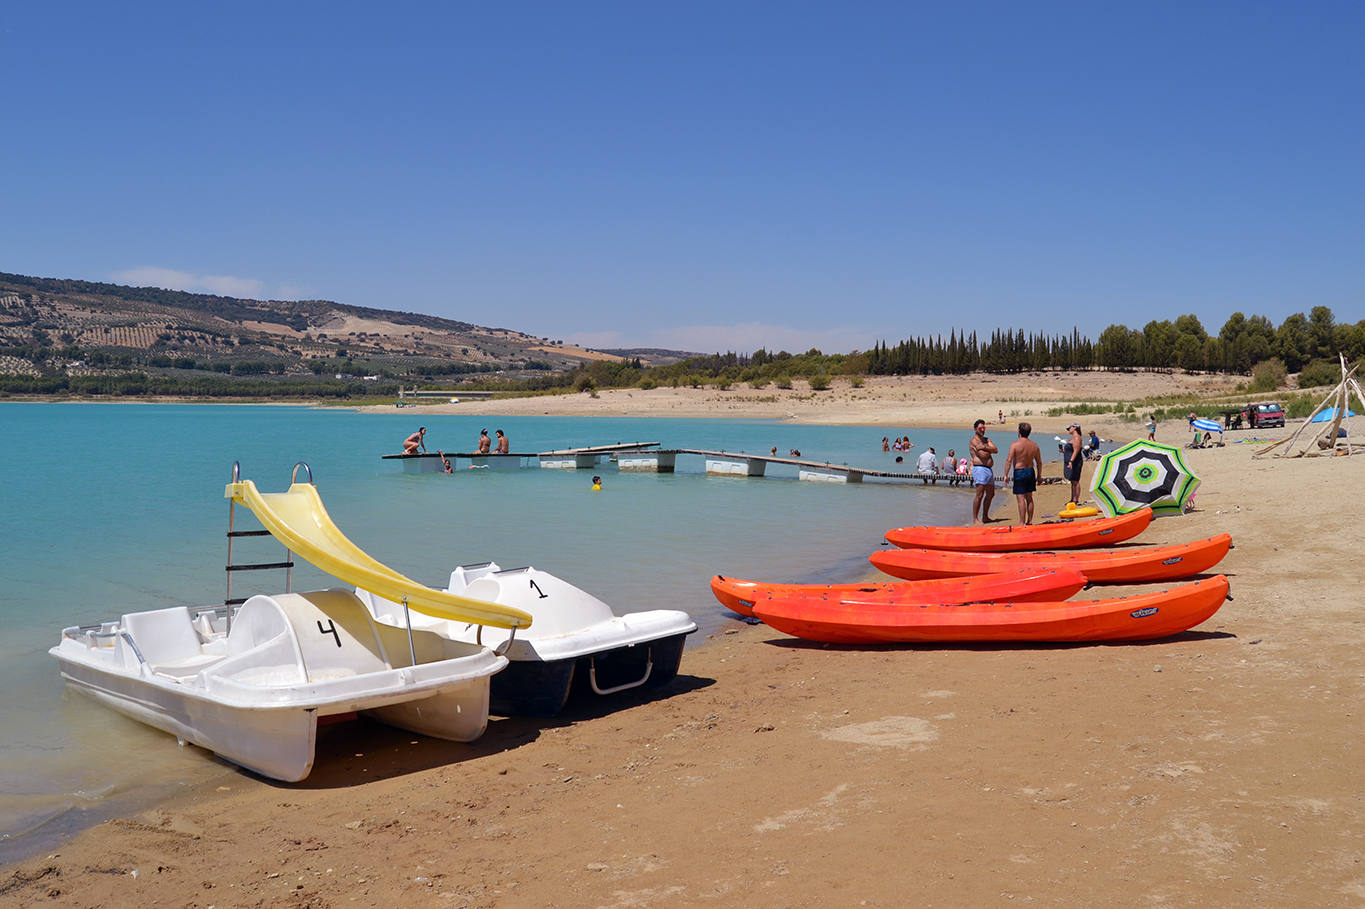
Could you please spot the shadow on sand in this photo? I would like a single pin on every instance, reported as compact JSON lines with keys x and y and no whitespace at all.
{"x":360,"y":751}
{"x":987,"y":646}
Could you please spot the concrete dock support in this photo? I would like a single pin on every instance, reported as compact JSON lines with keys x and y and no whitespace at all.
{"x":739,"y":467}
{"x":569,"y":462}
{"x":833,"y":475}
{"x":648,"y":461}
{"x":496,"y":462}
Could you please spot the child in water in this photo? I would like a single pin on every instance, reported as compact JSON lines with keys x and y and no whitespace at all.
{"x":596,"y":484}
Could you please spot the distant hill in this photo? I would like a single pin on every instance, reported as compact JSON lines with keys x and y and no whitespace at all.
{"x":56,"y":326}
{"x":651,"y":356}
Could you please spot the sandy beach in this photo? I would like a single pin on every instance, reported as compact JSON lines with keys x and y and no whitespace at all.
{"x":1218,"y":768}
{"x":930,"y":401}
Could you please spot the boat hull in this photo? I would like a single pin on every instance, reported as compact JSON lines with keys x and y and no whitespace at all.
{"x":1132,"y":618}
{"x":532,"y":687}
{"x":1020,"y":537}
{"x":1023,"y":585}
{"x":1107,"y":566}
{"x":575,"y":638}
{"x":253,"y":695}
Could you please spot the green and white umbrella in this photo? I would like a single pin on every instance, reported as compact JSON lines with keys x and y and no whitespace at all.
{"x":1143,"y":473}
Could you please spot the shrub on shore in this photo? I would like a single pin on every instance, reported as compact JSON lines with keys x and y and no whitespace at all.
{"x":1268,"y":375}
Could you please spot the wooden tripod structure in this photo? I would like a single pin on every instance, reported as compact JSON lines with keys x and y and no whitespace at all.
{"x":1333,"y":441}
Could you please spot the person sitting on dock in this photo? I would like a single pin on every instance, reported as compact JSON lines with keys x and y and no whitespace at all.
{"x":485,"y":443}
{"x":950,"y":462}
{"x":796,"y":452}
{"x":503,"y":445}
{"x":415,"y":441}
{"x":928,"y":462}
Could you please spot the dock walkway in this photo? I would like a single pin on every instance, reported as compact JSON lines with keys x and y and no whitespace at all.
{"x":729,"y":463}
{"x":648,"y":457}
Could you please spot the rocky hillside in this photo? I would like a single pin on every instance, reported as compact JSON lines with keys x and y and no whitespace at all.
{"x":54,"y":326}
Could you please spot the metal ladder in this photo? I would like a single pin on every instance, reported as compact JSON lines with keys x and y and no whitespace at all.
{"x":233,"y":534}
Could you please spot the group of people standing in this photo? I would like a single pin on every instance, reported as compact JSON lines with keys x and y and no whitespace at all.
{"x":1023,"y":464}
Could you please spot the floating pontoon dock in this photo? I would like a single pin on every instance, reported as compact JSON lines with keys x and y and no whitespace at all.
{"x":649,"y":458}
{"x":570,"y":458}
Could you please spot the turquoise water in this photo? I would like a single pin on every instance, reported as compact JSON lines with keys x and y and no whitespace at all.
{"x":112,"y":508}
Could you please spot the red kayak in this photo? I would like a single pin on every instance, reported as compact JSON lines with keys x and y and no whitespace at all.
{"x":1132,"y":618}
{"x":1128,"y":564}
{"x":1021,"y":586}
{"x":1017,"y":537}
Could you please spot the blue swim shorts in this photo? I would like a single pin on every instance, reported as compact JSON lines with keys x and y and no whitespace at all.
{"x":982,"y":476}
{"x":1024,"y":481}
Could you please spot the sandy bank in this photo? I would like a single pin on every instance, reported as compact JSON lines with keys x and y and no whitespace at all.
{"x":927,"y":401}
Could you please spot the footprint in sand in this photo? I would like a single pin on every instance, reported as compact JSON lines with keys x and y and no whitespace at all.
{"x":888,"y":732}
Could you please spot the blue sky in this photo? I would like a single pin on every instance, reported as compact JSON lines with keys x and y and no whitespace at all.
{"x":706,"y":176}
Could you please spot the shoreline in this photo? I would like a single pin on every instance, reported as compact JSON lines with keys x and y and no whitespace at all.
{"x":930,"y":402}
{"x":1209,"y":769}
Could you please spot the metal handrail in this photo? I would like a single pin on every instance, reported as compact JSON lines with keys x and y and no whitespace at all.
{"x":233,"y":533}
{"x":592,"y":676}
{"x":128,"y":639}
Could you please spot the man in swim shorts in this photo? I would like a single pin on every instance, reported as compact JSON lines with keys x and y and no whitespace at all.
{"x":1025,"y":461}
{"x":502,"y":443}
{"x":983,"y":477}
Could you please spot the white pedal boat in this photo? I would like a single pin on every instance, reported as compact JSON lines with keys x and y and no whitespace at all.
{"x":573,"y":636}
{"x":254,"y":695}
{"x":250,"y":683}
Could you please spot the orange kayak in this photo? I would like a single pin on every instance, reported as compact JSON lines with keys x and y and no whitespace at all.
{"x":1017,"y":537}
{"x":1020,"y":586}
{"x":1127,"y":564}
{"x":1132,"y":618}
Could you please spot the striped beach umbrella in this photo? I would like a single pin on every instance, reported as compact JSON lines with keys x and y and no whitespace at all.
{"x":1204,"y":425}
{"x":1143,"y":473}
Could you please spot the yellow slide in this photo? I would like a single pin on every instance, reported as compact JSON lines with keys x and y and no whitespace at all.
{"x":297,"y":519}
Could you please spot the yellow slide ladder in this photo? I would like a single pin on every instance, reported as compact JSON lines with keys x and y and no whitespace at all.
{"x":297,"y":519}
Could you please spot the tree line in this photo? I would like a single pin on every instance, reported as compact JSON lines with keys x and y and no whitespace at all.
{"x":1240,"y":344}
{"x":1306,"y":344}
